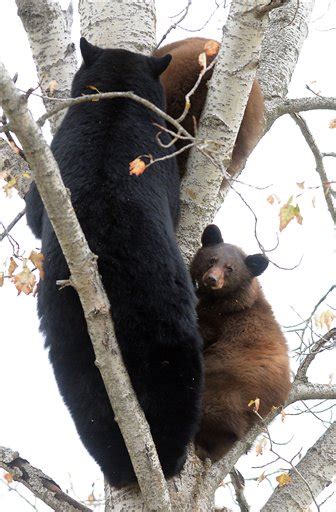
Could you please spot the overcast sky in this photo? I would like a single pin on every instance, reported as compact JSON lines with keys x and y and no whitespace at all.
{"x":34,"y":420}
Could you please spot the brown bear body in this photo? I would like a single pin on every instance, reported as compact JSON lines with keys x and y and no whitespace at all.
{"x":178,"y":80}
{"x":245,"y":352}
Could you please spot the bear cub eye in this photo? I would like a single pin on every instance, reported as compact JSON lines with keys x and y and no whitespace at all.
{"x":212,"y":261}
{"x":228,"y":268}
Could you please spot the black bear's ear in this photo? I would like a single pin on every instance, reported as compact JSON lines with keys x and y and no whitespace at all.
{"x":256,"y":263}
{"x":211,"y":236}
{"x":160,"y":64}
{"x":89,"y":51}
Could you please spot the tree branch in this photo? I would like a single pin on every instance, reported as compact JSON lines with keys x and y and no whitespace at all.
{"x":12,"y":224}
{"x":38,"y":483}
{"x":314,"y":350}
{"x":278,"y":107}
{"x":86,"y":280}
{"x":49,"y":35}
{"x":316,"y":469}
{"x":318,"y":161}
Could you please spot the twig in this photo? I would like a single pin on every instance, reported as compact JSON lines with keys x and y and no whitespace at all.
{"x":12,"y":224}
{"x":315,"y":349}
{"x":318,"y":161}
{"x":183,"y":14}
{"x":239,"y":486}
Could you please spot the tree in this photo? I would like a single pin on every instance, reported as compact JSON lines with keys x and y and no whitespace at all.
{"x":202,"y":186}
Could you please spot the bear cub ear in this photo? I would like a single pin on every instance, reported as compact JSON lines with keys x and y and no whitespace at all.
{"x":160,"y":64}
{"x":89,"y":51}
{"x":211,"y":236}
{"x":256,"y":263}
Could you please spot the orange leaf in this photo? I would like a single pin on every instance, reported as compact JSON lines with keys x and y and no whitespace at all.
{"x":332,"y":124}
{"x":2,"y":278}
{"x":24,"y":281}
{"x":260,"y":446}
{"x":137,"y":167}
{"x":211,"y":47}
{"x":37,"y":259}
{"x":283,"y":479}
{"x":256,"y":404}
{"x":12,"y":267}
{"x":9,"y":477}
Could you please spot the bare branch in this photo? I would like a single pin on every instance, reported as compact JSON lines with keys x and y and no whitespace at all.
{"x":314,"y":350}
{"x":86,"y":280}
{"x":12,"y":224}
{"x":318,"y":161}
{"x":237,"y":482}
{"x":38,"y":483}
{"x":276,"y":108}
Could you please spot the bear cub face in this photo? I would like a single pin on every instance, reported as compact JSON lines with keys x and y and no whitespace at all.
{"x":221,"y":269}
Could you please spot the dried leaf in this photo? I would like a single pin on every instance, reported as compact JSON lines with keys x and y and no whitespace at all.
{"x":261,"y":477}
{"x":12,"y":267}
{"x":325,"y":319}
{"x":256,"y":404}
{"x":283,"y":416}
{"x":332,"y":124}
{"x":9,"y":185}
{"x":137,"y":167}
{"x":9,"y":477}
{"x":211,"y":47}
{"x":52,"y":87}
{"x":283,"y":479}
{"x":26,"y":174}
{"x":289,"y":212}
{"x":24,"y":281}
{"x":91,"y":499}
{"x":260,"y":446}
{"x":273,"y":198}
{"x":300,"y":184}
{"x":14,"y":147}
{"x":314,"y":201}
{"x":37,"y":259}
{"x":202,"y":60}
{"x":2,"y":278}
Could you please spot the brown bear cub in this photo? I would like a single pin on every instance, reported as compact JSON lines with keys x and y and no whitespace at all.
{"x":245,"y":353}
{"x":180,"y":77}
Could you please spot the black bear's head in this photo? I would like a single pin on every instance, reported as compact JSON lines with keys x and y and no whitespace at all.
{"x":222,"y":268}
{"x":108,"y":70}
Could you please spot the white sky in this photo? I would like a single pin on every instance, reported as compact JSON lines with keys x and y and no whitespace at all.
{"x":34,"y":420}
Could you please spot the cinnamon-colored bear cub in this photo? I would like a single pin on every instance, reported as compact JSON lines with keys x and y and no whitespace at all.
{"x":245,"y":352}
{"x":179,"y":78}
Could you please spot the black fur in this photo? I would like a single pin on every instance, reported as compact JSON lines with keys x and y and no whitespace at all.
{"x":211,"y":236}
{"x":129,"y":223}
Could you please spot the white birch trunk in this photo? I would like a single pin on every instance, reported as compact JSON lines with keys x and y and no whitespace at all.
{"x":229,"y":89}
{"x":127,"y":24}
{"x":48,"y":30}
{"x":317,"y":468}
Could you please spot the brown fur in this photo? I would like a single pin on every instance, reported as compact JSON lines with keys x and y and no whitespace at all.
{"x":245,"y":351}
{"x":178,"y":80}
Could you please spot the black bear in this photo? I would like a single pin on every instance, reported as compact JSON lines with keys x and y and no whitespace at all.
{"x":179,"y":78}
{"x":129,"y":224}
{"x":245,"y":354}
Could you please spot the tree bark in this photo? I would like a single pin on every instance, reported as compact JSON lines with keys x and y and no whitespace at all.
{"x":129,"y":24}
{"x":49,"y":34}
{"x":316,"y":468}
